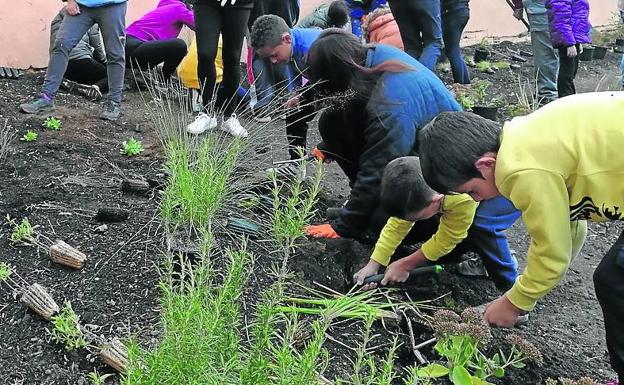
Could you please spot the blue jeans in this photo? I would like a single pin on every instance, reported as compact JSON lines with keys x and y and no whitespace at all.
{"x":420,"y":25}
{"x":454,"y":20}
{"x":544,"y":55}
{"x":488,"y":239}
{"x":112,"y":22}
{"x":270,"y":80}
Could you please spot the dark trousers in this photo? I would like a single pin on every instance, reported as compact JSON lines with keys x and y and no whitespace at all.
{"x":609,"y":285}
{"x":88,"y":71}
{"x":148,"y":54}
{"x":567,"y":72}
{"x":297,"y":121}
{"x":454,"y":20}
{"x":212,"y":20}
{"x":419,"y":22}
{"x":270,"y":81}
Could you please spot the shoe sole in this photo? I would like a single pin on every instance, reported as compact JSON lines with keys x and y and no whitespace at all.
{"x":109,"y":118}
{"x":32,"y":112}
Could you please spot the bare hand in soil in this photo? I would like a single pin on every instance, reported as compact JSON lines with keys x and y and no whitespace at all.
{"x":292,"y":102}
{"x":572,"y":51}
{"x":72,"y":8}
{"x":501,"y":313}
{"x":396,"y":272}
{"x":371,"y":268}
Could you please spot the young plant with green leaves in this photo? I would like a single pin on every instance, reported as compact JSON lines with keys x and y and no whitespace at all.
{"x":95,"y":378}
{"x":24,"y":233}
{"x":461,"y":343}
{"x":30,"y":136}
{"x":131,"y":147}
{"x":52,"y":123}
{"x":66,"y":329}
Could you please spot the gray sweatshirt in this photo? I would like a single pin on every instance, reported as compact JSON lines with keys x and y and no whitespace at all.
{"x":89,"y":47}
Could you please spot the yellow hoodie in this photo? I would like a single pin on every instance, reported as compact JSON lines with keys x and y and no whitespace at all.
{"x":561,"y":165}
{"x":457,"y":214}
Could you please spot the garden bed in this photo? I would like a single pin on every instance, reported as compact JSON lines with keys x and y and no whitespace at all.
{"x":60,"y":180}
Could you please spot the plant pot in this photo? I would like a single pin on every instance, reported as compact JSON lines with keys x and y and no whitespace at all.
{"x":481,"y":55}
{"x":619,"y":41}
{"x":115,"y":355}
{"x":38,"y":300}
{"x":587,"y":54}
{"x":599,"y":52}
{"x":486,"y":112}
{"x":64,"y":254}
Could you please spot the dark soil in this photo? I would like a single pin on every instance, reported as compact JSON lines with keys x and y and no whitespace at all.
{"x":61,"y":180}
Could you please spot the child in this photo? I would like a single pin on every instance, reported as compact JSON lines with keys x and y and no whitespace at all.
{"x":381,"y":28}
{"x":227,"y":18}
{"x":359,"y":9}
{"x":377,"y":98}
{"x":272,"y":39}
{"x":455,"y":16}
{"x":327,"y":15}
{"x":86,"y":68}
{"x":569,"y":28}
{"x":153,"y":39}
{"x":560,"y":165}
{"x":450,"y":225}
{"x":80,"y":15}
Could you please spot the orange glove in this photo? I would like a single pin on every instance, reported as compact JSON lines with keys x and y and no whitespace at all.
{"x":320,"y":155}
{"x":321,"y":231}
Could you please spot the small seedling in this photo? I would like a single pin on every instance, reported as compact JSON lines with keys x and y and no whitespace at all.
{"x":132,"y":147}
{"x":5,"y":271}
{"x":52,"y":123}
{"x":22,"y":232}
{"x":67,"y":330}
{"x":30,"y":136}
{"x":96,"y":378}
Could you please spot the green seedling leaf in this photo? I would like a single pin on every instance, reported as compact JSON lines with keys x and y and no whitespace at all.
{"x":499,"y":372}
{"x":518,"y":365}
{"x":52,"y":123}
{"x":460,"y":376}
{"x":433,"y":371}
{"x":131,"y":147}
{"x":30,"y":136}
{"x":5,"y":271}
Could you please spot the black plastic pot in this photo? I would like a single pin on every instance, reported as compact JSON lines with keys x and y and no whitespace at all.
{"x":599,"y":52}
{"x":587,"y":54}
{"x":481,"y":55}
{"x":486,"y":112}
{"x":619,"y":41}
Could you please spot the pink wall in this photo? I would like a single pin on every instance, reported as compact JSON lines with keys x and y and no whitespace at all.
{"x":24,"y":29}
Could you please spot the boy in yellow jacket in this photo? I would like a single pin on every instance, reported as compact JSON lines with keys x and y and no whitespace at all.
{"x":560,"y":165}
{"x":450,"y":225}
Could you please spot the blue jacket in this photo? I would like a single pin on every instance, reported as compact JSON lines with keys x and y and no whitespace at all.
{"x":399,"y":106}
{"x":302,"y":40}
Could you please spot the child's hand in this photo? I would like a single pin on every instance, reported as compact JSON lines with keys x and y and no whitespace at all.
{"x":371,"y":268}
{"x":501,"y":312}
{"x":72,"y":8}
{"x":292,"y":102}
{"x":572,"y":51}
{"x":397,"y":272}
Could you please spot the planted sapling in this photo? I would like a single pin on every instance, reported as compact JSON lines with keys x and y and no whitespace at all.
{"x":30,"y":136}
{"x":96,"y":378}
{"x":52,"y":123}
{"x":131,"y":147}
{"x":67,"y":329}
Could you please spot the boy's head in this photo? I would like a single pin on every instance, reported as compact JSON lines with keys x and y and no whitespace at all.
{"x":270,"y":38}
{"x":404,"y":192}
{"x":337,"y":14}
{"x":458,"y":153}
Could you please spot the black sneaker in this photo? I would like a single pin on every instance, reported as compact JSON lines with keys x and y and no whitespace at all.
{"x":92,"y":92}
{"x":111,"y":111}
{"x":69,"y":85}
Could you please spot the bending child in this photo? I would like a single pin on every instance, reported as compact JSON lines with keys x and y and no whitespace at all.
{"x":561,"y":165}
{"x":450,"y":225}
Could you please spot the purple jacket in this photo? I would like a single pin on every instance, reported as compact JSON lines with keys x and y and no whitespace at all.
{"x":569,"y":22}
{"x":162,"y":23}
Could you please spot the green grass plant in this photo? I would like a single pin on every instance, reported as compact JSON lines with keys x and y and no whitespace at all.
{"x":5,"y":271}
{"x":95,"y":378}
{"x":66,"y":329}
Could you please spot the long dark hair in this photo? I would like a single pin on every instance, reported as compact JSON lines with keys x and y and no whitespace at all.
{"x":336,"y":63}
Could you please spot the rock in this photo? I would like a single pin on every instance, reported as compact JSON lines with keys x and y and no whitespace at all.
{"x":47,"y":372}
{"x":101,"y":229}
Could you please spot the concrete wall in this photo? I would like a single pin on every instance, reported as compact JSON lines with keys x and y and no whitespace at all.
{"x":25,"y":24}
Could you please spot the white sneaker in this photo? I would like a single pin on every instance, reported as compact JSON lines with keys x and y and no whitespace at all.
{"x":262,"y":118}
{"x":202,"y":123}
{"x":233,"y":127}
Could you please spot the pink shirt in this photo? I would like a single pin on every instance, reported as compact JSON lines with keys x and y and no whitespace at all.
{"x":162,"y":23}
